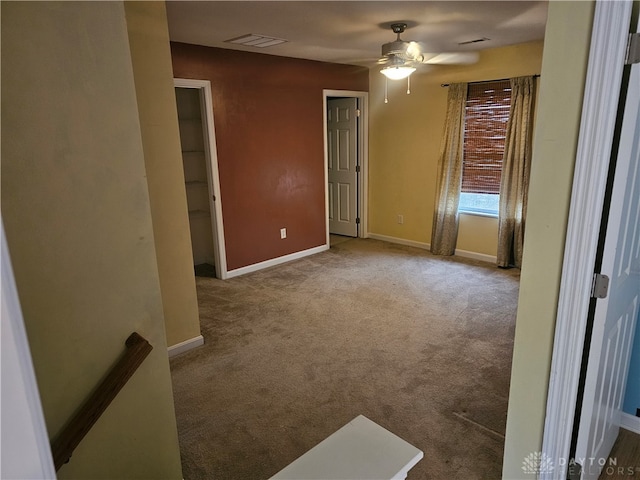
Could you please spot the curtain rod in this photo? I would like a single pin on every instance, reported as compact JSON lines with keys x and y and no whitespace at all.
{"x":489,"y":81}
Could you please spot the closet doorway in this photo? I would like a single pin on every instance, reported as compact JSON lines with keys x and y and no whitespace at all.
{"x":346,"y":157}
{"x":202,"y":184}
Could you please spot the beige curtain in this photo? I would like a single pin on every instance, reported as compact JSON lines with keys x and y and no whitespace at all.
{"x":516,"y":164}
{"x":445,"y":218}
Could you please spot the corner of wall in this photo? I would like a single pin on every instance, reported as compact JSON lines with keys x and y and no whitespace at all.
{"x":564,"y":62}
{"x":153,"y":74}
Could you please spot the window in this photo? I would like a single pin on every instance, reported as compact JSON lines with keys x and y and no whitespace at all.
{"x":486,"y":117}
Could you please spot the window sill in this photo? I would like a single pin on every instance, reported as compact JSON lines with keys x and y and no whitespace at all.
{"x":478,"y":214}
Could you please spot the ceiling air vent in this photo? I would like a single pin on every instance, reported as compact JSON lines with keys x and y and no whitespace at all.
{"x":477,"y":40}
{"x":253,"y":40}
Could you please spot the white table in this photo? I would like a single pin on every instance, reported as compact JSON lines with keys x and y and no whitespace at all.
{"x":361,"y":450}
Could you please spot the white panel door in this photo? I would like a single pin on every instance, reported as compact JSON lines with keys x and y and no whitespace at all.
{"x":342,"y":136}
{"x":615,"y":316}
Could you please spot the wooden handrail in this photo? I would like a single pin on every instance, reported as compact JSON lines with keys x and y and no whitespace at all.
{"x":70,"y":437}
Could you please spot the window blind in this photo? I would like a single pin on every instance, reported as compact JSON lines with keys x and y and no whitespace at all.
{"x":486,"y":117}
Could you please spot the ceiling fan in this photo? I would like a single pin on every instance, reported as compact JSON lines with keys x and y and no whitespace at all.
{"x":401,"y":57}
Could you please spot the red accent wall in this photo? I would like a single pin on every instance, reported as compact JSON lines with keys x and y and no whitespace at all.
{"x":269,"y":134}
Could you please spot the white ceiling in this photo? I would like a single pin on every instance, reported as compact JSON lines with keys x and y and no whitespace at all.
{"x":353,"y":31}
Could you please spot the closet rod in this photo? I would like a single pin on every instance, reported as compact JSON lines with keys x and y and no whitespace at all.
{"x":488,"y":81}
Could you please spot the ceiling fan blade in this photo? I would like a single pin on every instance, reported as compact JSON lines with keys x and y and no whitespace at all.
{"x":450,"y":58}
{"x":401,"y":52}
{"x":414,"y":51}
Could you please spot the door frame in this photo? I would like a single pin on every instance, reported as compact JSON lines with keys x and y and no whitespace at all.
{"x":29,"y":452}
{"x":213,"y":175}
{"x":599,"y":112}
{"x":363,"y":157}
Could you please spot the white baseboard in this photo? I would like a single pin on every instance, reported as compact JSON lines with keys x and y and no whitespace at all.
{"x":630,"y":422}
{"x":425,"y":246}
{"x":185,"y":346}
{"x":400,"y":241}
{"x":276,"y":261}
{"x":483,"y":257}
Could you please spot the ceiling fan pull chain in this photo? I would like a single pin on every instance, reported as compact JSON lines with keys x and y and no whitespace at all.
{"x":409,"y":85}
{"x":386,"y":83}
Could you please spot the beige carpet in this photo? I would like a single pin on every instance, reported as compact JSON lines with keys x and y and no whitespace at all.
{"x":417,"y":343}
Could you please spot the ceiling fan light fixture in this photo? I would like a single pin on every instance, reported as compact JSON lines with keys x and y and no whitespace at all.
{"x":397,"y":72}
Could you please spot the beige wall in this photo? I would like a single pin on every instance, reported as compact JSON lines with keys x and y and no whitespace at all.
{"x":76,"y":210}
{"x":478,"y":234}
{"x":559,"y":108}
{"x":153,"y":74}
{"x":404,"y":141}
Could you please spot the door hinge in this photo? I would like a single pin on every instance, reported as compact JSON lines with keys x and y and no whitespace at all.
{"x":358,"y":221}
{"x":600,"y":286}
{"x":357,"y":168}
{"x":633,"y":49}
{"x":213,"y":197}
{"x":357,"y":112}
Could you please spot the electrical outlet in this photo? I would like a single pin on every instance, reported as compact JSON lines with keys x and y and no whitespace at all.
{"x":283,"y":233}
{"x":400,"y":219}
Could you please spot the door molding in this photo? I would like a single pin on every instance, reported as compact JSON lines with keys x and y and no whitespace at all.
{"x":213,"y":176}
{"x":363,"y":157}
{"x":28,"y":454}
{"x":604,"y":74}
